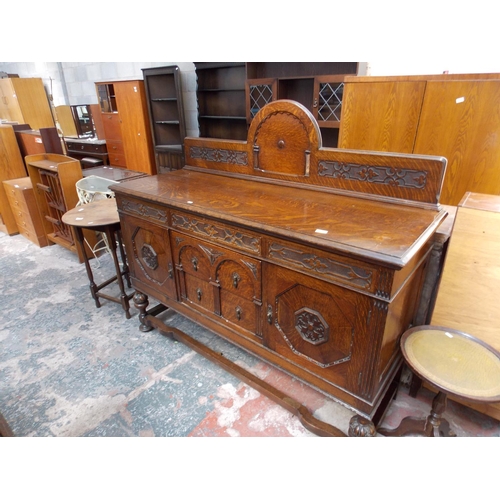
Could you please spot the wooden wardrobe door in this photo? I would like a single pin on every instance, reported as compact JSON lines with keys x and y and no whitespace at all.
{"x":135,"y":127}
{"x":381,"y":116}
{"x":461,"y":121}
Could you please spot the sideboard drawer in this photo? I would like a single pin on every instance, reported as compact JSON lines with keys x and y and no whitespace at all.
{"x":218,"y":232}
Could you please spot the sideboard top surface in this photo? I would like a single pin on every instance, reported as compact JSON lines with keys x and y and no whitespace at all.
{"x":361,"y":227}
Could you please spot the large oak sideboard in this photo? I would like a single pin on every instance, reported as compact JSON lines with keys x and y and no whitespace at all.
{"x":311,"y":258}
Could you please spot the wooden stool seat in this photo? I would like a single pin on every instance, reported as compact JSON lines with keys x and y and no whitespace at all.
{"x":102,"y":215}
{"x":453,"y":362}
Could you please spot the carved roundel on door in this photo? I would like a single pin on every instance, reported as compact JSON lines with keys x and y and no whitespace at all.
{"x":149,"y":256}
{"x":311,"y":326}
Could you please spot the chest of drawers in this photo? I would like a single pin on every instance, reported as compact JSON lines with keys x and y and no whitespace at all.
{"x":261,"y":242}
{"x":24,"y":208}
{"x":81,"y":148}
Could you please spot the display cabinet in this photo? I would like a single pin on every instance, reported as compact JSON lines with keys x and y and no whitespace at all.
{"x":166,"y":113}
{"x":318,"y":86}
{"x":54,"y":180}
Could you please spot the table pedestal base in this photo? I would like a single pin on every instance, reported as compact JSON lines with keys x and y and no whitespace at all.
{"x":432,"y":426}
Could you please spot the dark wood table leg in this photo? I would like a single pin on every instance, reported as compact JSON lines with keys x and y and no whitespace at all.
{"x":125,"y":269}
{"x":80,"y":239}
{"x":110,"y":234}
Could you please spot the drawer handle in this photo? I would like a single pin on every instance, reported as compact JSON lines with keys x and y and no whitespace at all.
{"x":238,"y":313}
{"x":198,"y":294}
{"x":194,"y":261}
{"x":270,"y":314}
{"x":236,"y":280}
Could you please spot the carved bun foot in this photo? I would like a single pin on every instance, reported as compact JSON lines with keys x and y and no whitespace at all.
{"x":361,"y":427}
{"x":141,"y":302}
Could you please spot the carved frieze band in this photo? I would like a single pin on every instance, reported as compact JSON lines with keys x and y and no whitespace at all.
{"x":219,"y":155}
{"x":355,"y":275}
{"x":144,"y":210}
{"x":217,"y":233}
{"x":401,"y":177}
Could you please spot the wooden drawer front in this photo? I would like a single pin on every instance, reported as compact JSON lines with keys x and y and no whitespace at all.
{"x":23,"y":218}
{"x":337,"y":269}
{"x":217,"y":279}
{"x":241,"y":277}
{"x":218,"y":232}
{"x":16,"y":200}
{"x":117,"y":160}
{"x":112,"y":127}
{"x":146,"y":211}
{"x":116,"y":154}
{"x":242,"y":313}
{"x":86,"y":148}
{"x":197,"y":292}
{"x":115,"y":148}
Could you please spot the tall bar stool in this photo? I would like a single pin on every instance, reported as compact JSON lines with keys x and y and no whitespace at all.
{"x":102,"y":215}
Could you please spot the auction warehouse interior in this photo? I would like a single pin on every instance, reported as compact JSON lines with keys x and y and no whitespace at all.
{"x":248,"y":249}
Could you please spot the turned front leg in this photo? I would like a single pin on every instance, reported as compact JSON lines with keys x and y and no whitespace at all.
{"x":141,"y":302}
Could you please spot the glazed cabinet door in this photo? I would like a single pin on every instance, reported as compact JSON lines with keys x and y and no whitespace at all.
{"x":319,"y":326}
{"x":149,"y":257}
{"x":219,"y":282}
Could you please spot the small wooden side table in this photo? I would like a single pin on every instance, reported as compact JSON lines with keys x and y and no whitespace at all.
{"x":453,"y":362}
{"x":102,"y":215}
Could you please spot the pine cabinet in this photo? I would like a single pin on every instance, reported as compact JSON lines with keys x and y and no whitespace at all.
{"x":126,"y":125}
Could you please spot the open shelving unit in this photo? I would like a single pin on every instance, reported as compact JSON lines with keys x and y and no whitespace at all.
{"x":166,"y":113}
{"x":221,"y":100}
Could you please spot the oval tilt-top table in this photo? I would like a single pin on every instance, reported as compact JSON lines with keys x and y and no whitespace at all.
{"x":102,"y":215}
{"x":453,"y":362}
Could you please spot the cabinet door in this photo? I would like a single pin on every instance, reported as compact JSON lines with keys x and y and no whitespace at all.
{"x":319,"y":326}
{"x":381,"y":116}
{"x":149,"y":256}
{"x":327,"y":101}
{"x":260,"y":92}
